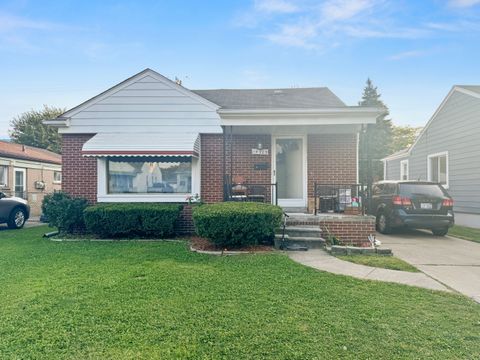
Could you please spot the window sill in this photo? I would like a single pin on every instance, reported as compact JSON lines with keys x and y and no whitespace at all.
{"x":166,"y":198}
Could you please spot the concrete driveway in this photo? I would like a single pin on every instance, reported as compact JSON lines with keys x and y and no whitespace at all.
{"x":452,"y":261}
{"x":30,"y":223}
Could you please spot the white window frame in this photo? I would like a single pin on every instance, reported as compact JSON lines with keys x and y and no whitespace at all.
{"x":402,"y":162}
{"x":104,"y":196}
{"x":4,"y":181}
{"x":429,"y":167}
{"x":56,"y":181}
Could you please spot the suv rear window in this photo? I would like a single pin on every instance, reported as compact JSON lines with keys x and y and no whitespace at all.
{"x":431,"y":190}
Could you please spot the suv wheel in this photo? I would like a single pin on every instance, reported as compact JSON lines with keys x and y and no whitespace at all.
{"x":17,"y":218}
{"x":440,"y":232}
{"x":383,"y":225}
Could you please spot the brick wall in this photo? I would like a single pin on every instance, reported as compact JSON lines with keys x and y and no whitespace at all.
{"x":348,"y":229}
{"x":332,"y":159}
{"x":211,"y":167}
{"x":184,"y":224}
{"x":79,"y":174}
{"x":242,"y":163}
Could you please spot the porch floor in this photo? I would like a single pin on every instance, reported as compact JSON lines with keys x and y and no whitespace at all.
{"x":297,"y":216}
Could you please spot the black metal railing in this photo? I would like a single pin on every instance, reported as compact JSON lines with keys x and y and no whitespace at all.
{"x":256,"y":192}
{"x":340,"y":198}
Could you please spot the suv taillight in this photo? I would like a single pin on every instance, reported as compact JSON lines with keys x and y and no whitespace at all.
{"x":447,"y":203}
{"x":402,"y":201}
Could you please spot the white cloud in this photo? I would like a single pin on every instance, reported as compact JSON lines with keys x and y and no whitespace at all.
{"x":298,"y":35}
{"x":11,"y":23}
{"x":322,"y":24}
{"x":463,"y":3}
{"x":333,"y":10}
{"x":275,"y":6}
{"x":407,"y":55}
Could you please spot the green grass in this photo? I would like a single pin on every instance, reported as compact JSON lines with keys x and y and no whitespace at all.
{"x":385,"y":262}
{"x":140,"y":300}
{"x":464,"y":232}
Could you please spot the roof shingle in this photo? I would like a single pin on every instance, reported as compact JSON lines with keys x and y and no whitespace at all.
{"x":290,"y":98}
{"x":24,"y":152}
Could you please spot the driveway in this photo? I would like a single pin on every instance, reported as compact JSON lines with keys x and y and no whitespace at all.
{"x":30,"y":223}
{"x":452,"y":261}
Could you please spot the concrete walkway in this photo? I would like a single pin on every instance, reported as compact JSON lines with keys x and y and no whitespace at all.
{"x":452,"y":261}
{"x":321,"y":260}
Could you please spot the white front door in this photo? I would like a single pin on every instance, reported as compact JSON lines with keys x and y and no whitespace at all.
{"x":290,"y":170}
{"x":20,"y":182}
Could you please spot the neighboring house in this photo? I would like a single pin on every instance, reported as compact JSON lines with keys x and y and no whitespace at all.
{"x":447,"y":151}
{"x":29,"y":173}
{"x":149,"y":139}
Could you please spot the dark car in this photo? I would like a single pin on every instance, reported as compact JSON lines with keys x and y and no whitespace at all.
{"x":14,"y":211}
{"x":412,"y":204}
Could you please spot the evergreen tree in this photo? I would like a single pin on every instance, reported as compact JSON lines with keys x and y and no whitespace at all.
{"x":28,"y":129}
{"x":376,"y":139}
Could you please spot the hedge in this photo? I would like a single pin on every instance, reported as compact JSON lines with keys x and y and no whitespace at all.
{"x":132,"y":220}
{"x":64,"y":212}
{"x":237,"y":224}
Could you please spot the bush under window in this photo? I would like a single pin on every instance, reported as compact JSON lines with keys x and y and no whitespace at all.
{"x":232,"y":224}
{"x":64,"y":212}
{"x":132,"y":220}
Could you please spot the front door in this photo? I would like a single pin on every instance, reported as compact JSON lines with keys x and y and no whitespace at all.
{"x":289,"y":171}
{"x":20,"y":183}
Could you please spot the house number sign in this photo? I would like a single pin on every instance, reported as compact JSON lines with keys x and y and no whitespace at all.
{"x":259,"y":151}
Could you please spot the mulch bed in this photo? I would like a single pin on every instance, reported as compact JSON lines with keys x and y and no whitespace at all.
{"x":203,"y":244}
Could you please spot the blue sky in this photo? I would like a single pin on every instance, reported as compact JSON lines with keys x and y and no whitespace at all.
{"x":63,"y":52}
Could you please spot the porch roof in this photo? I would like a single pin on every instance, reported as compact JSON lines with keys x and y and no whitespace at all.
{"x":346,"y":115}
{"x":142,"y":144}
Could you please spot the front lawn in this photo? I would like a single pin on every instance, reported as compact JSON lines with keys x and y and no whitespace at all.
{"x":140,"y":300}
{"x":466,"y":233}
{"x":385,"y":262}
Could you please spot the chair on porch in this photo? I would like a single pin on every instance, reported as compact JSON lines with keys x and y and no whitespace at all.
{"x":327,"y":197}
{"x":239,"y":190}
{"x":257,"y":193}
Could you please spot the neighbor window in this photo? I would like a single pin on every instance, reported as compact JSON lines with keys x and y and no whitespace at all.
{"x":3,"y":175}
{"x":167,"y":175}
{"x":438,"y":168}
{"x":404,"y":170}
{"x":57,"y":177}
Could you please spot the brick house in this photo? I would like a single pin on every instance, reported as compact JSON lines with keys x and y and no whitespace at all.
{"x":148,"y":139}
{"x":29,"y":172}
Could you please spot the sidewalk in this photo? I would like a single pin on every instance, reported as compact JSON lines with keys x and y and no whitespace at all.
{"x":321,"y":260}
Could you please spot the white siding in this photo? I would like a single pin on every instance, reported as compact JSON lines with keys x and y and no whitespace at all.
{"x":146,"y":104}
{"x":392,"y":171}
{"x":456,"y":129}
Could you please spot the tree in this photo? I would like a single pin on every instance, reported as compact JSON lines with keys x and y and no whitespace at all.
{"x":403,"y":137}
{"x":28,"y":129}
{"x":375,"y":141}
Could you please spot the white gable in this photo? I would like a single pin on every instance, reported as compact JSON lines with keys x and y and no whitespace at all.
{"x":147,"y":102}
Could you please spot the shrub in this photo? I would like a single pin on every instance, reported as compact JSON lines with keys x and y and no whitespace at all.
{"x":65,"y":212}
{"x":232,"y":224}
{"x":132,"y":220}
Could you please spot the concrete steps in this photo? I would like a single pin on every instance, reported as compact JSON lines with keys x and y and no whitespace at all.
{"x":300,"y":238}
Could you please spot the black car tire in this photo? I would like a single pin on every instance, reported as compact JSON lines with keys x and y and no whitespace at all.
{"x":383,"y":224}
{"x":440,"y":232}
{"x":17,"y":218}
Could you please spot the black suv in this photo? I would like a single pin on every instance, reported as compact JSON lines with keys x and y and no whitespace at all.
{"x":412,"y":204}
